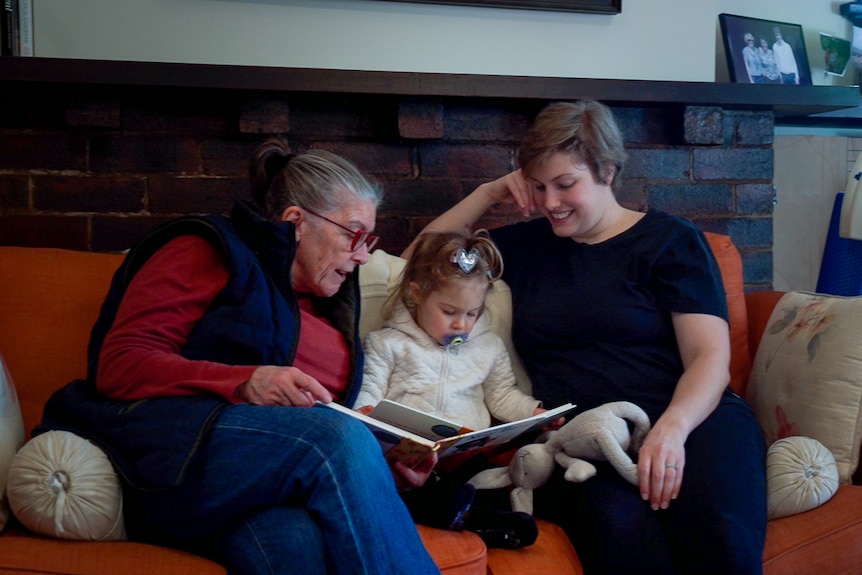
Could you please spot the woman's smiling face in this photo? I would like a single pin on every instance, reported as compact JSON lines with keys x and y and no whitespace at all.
{"x":569,"y":196}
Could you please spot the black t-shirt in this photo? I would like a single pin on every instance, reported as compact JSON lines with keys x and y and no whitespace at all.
{"x":592,"y":323}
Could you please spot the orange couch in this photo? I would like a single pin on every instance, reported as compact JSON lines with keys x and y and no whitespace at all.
{"x":49,"y":299}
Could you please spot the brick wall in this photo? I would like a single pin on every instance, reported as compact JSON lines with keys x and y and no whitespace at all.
{"x":94,"y":169}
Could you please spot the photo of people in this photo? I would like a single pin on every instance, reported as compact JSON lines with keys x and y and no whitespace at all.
{"x":836,"y":54}
{"x":764,"y":52}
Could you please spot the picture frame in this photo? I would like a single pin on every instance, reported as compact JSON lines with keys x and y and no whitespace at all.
{"x":586,"y":6}
{"x":784,"y":62}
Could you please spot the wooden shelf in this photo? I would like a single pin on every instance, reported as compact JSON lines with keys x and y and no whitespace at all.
{"x":789,"y":103}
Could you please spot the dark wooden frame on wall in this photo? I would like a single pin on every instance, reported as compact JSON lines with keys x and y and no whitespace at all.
{"x":588,"y":6}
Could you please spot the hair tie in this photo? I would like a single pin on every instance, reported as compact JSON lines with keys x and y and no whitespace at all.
{"x":466,"y":260}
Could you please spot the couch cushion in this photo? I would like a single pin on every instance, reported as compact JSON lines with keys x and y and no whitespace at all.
{"x":551,"y":553}
{"x":21,"y":552}
{"x":801,"y":474}
{"x":61,"y":485}
{"x":824,"y":540}
{"x":730,"y":263}
{"x":455,"y":553}
{"x":49,"y":301}
{"x":807,"y":374}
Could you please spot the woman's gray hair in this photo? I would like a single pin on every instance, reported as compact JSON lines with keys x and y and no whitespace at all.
{"x":314,"y":179}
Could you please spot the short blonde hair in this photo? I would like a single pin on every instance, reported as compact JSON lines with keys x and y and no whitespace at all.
{"x":587,"y":130}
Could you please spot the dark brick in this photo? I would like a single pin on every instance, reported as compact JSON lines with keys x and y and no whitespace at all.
{"x":144,"y":154}
{"x":264,"y":116}
{"x":85,"y":193}
{"x":757,"y":268}
{"x":419,"y":197}
{"x":420,"y":120}
{"x":179,"y":111}
{"x":691,"y":199}
{"x":650,"y":126}
{"x":751,"y":233}
{"x":468,"y":160}
{"x":195,"y":195}
{"x":394,"y":234}
{"x":733,"y":164}
{"x":94,"y":113}
{"x":704,"y":125}
{"x":660,"y":163}
{"x":14,"y":192}
{"x":752,"y":128}
{"x":485,"y":123}
{"x":324,"y":117}
{"x":66,"y":231}
{"x":42,"y":152}
{"x":633,"y":196}
{"x":755,"y":199}
{"x":32,"y":109}
{"x":373,"y":158}
{"x":118,"y":233}
{"x":228,"y":157}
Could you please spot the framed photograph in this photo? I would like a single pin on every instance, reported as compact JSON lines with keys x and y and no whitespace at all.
{"x":836,"y":54}
{"x":764,"y":52}
{"x":586,"y":6}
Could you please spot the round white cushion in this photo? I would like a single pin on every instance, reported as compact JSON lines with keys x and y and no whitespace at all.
{"x":801,"y":474}
{"x":63,"y":486}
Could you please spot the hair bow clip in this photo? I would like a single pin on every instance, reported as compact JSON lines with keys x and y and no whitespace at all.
{"x":466,"y":260}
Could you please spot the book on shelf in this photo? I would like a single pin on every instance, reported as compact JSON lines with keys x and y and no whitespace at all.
{"x":410,"y":436}
{"x":16,"y":28}
{"x":25,"y":28}
{"x":8,"y":28}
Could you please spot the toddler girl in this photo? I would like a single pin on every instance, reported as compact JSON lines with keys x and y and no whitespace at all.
{"x":437,"y":353}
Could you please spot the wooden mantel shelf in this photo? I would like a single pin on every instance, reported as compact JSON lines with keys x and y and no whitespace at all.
{"x":787,"y":102}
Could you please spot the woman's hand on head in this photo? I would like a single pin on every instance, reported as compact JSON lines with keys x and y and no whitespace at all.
{"x":661,"y":461}
{"x":407,"y":478}
{"x":511,"y":189}
{"x":274,"y":385}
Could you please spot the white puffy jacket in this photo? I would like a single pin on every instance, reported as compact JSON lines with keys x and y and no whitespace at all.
{"x":467,"y":383}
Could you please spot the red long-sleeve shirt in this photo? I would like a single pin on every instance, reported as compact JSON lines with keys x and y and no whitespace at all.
{"x":166,"y":298}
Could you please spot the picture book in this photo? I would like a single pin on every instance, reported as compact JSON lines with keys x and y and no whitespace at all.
{"x":410,"y":435}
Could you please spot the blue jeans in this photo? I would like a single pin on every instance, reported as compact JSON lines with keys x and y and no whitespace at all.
{"x":717,"y":525}
{"x":286,"y":490}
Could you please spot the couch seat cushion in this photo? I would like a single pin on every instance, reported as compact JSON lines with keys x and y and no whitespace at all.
{"x":824,"y":540}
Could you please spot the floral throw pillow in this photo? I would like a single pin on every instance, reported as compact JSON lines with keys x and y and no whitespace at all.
{"x":807,"y":375}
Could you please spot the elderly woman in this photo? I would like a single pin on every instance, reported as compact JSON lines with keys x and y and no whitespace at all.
{"x":217,"y":337}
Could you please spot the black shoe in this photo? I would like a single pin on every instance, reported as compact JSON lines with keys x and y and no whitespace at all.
{"x":507,"y":530}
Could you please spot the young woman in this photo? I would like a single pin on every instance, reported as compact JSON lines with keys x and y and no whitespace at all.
{"x":613,"y":304}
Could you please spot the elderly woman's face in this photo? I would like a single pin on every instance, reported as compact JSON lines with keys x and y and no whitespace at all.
{"x":323,"y":256}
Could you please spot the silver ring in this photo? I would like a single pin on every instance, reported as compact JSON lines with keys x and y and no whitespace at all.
{"x":670,"y":466}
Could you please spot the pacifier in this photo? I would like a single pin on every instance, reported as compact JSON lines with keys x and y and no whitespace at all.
{"x":455,"y":339}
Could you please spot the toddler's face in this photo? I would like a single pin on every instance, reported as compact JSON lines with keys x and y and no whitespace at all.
{"x":452,"y":310}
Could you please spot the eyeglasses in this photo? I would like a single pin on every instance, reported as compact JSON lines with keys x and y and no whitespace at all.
{"x":360,"y":237}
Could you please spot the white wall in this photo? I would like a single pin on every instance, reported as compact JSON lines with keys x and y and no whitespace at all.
{"x":649,"y":40}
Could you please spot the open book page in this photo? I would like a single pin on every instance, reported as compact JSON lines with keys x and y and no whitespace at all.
{"x":411,"y":448}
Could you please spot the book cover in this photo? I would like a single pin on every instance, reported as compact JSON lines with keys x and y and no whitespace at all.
{"x":411,"y":447}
